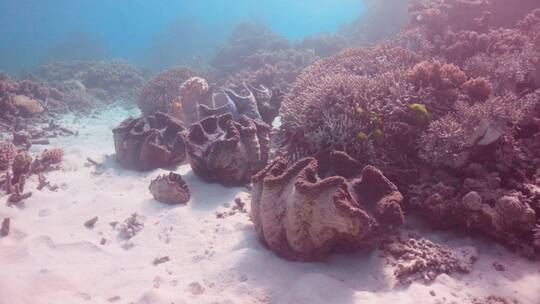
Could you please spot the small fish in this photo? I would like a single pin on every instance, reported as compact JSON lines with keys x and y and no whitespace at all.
{"x":361,"y":136}
{"x":421,"y":115}
{"x":377,"y":134}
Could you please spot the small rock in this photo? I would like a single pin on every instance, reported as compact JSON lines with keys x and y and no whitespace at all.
{"x":161,"y":260}
{"x":91,"y":222}
{"x":195,"y":288}
{"x":4,"y":230}
{"x":498,"y":266}
{"x":103,"y":241}
{"x":432,"y":293}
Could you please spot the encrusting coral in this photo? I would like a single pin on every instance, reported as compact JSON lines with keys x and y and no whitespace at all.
{"x":226,"y":151}
{"x":302,"y":216}
{"x":170,"y":189}
{"x":150,"y":142}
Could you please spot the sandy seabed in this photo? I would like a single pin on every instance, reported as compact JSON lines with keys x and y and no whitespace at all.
{"x":50,"y":256}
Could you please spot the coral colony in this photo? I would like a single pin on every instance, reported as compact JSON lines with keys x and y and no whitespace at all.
{"x":440,"y":122}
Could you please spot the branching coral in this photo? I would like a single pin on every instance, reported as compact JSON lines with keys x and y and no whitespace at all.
{"x":449,"y":140}
{"x":302,"y":216}
{"x":105,"y":80}
{"x":150,"y":142}
{"x":463,"y":115}
{"x":226,"y":151}
{"x":247,"y":39}
{"x":159,"y":92}
{"x":324,"y":45}
{"x":358,"y":102}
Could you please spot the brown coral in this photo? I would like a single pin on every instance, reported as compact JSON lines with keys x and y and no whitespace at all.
{"x":149,"y":142}
{"x":302,"y":216}
{"x":170,"y":189}
{"x":52,"y":156}
{"x":226,"y":151}
{"x":160,"y":91}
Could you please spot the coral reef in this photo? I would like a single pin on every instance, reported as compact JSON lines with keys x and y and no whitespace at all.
{"x":302,"y":216}
{"x":150,"y":142}
{"x":356,"y":101}
{"x":226,"y":151}
{"x":170,"y":189}
{"x":246,"y":40}
{"x":161,"y":90}
{"x":256,"y":55}
{"x":20,"y":165}
{"x":105,"y":80}
{"x":456,"y":112}
{"x":25,"y":98}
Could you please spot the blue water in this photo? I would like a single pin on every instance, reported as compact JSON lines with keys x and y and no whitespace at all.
{"x":33,"y":31}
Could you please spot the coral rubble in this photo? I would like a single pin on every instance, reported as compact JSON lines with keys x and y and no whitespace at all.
{"x":150,"y":142}
{"x":302,"y":216}
{"x":421,"y":259}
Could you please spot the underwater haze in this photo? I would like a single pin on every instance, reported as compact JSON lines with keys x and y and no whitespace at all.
{"x":270,"y":151}
{"x":33,"y":32}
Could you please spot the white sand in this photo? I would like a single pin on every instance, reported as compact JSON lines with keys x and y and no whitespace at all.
{"x":51,"y":257}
